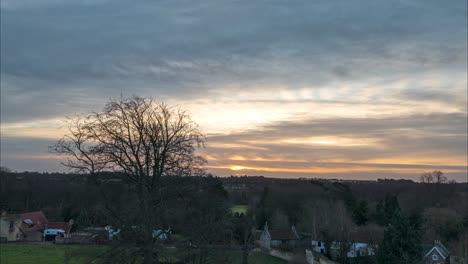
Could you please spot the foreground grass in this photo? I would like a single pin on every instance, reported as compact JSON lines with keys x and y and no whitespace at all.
{"x":254,"y":258}
{"x":50,"y":254}
{"x":59,"y":254}
{"x":240,"y":209}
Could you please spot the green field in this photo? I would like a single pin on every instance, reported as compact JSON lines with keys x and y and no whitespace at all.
{"x":59,"y":254}
{"x":50,"y":254}
{"x":239,"y":208}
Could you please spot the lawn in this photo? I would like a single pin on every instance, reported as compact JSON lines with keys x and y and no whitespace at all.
{"x":239,"y":208}
{"x":254,"y":258}
{"x":57,"y":254}
{"x":50,"y":254}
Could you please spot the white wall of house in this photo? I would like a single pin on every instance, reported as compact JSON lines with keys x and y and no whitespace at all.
{"x":318,"y":246}
{"x":9,"y":228}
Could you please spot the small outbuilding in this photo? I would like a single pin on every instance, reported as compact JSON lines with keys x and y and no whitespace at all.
{"x":286,"y":237}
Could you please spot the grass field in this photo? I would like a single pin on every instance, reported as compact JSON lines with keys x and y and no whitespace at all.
{"x":57,"y":254}
{"x":50,"y":254}
{"x":240,"y":209}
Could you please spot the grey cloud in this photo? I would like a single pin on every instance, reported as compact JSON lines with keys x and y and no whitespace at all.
{"x":23,"y":154}
{"x":435,"y":135}
{"x":182,"y":49}
{"x":63,"y":57}
{"x":416,"y":137}
{"x":428,"y":94}
{"x":436,"y":123}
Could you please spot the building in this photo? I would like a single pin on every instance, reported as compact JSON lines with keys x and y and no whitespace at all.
{"x":436,"y":253}
{"x":9,"y":227}
{"x":29,"y":226}
{"x":318,"y":246}
{"x":278,"y":237}
{"x":360,"y":250}
{"x":66,"y":227}
{"x":33,"y":225}
{"x":351,"y":250}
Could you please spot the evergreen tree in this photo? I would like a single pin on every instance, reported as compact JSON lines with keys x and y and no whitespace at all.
{"x":402,"y":238}
{"x":361,"y":213}
{"x":262,"y":214}
{"x":386,"y":209}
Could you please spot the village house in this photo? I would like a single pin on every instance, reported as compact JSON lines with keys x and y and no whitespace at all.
{"x":9,"y":227}
{"x":29,"y":226}
{"x":318,"y":246}
{"x":352,"y":250}
{"x":278,"y":237}
{"x":436,"y":253}
{"x":66,"y":227}
{"x":33,"y":225}
{"x":360,"y":250}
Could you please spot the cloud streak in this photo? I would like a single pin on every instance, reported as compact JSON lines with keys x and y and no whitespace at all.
{"x":352,"y":82}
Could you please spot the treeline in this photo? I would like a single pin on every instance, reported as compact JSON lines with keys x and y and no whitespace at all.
{"x":196,"y":209}
{"x":361,"y":210}
{"x":82,"y":198}
{"x":393,"y":214}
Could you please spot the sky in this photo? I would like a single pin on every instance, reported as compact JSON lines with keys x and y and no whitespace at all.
{"x":301,"y":88}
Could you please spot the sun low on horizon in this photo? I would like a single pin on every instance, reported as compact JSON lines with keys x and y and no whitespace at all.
{"x":298,"y":89}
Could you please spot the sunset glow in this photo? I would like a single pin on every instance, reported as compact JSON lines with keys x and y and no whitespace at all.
{"x":293,"y":92}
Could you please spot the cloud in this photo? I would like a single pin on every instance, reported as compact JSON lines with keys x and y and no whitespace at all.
{"x":174,"y":49}
{"x":407,"y":144}
{"x":390,"y":74}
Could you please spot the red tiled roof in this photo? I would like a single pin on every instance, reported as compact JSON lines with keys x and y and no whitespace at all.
{"x":39,"y":222}
{"x":59,"y":225}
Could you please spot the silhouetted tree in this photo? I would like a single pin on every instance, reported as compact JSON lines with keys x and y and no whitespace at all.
{"x":426,"y":177}
{"x":244,"y":227}
{"x":433,"y":177}
{"x":143,"y":141}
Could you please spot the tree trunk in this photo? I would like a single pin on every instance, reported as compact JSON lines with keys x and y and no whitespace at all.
{"x":148,"y":257}
{"x":245,"y":256}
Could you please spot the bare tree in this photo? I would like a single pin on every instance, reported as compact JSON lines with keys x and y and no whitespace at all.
{"x":439,"y":177}
{"x":142,"y":140}
{"x":426,"y":177}
{"x":433,"y":177}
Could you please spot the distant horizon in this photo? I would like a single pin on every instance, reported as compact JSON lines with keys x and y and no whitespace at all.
{"x":292,"y":89}
{"x":310,"y":177}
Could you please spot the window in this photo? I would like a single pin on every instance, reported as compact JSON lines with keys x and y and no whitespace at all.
{"x":435,"y":257}
{"x":29,"y":222}
{"x":319,"y":244}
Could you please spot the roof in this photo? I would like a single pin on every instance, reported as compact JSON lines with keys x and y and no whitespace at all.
{"x":59,"y":225}
{"x":439,"y":247}
{"x":37,"y":219}
{"x":283,"y":234}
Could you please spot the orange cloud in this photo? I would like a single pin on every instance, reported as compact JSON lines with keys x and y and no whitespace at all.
{"x":323,"y":170}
